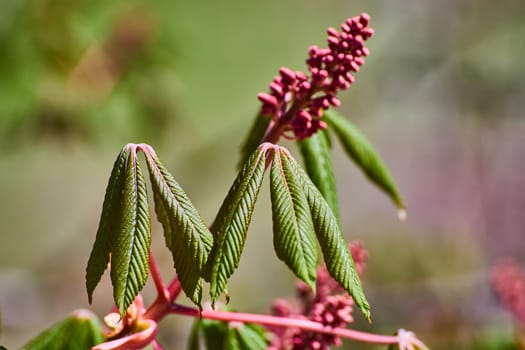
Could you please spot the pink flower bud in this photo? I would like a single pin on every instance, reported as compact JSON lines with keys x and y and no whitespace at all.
{"x":333,"y":41}
{"x":287,"y":75}
{"x":267,"y":98}
{"x":332,"y":32}
{"x":276,"y":88}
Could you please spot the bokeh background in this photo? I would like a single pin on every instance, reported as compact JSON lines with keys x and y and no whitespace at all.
{"x":442,"y":97}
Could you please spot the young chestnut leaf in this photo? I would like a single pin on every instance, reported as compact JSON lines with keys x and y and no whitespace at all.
{"x":250,"y":337}
{"x":130,"y":251}
{"x":232,"y":221}
{"x":186,"y":235}
{"x":79,"y":331}
{"x":337,"y":257}
{"x":109,"y":224}
{"x":219,"y":335}
{"x":293,"y":231}
{"x":359,"y":149}
{"x":318,"y":163}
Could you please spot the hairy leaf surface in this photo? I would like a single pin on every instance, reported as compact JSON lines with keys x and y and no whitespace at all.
{"x":293,"y":232}
{"x":232,"y":221}
{"x":254,"y":138}
{"x":338,"y":259}
{"x":186,"y":235}
{"x":363,"y":154}
{"x":130,"y":254}
{"x":318,"y":163}
{"x":108,"y":226}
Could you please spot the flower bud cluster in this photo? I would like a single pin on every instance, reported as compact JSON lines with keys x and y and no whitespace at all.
{"x":508,"y":281}
{"x":297,"y":101}
{"x":330,"y":305}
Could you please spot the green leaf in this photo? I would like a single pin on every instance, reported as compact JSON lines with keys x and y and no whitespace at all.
{"x":232,"y":221}
{"x":215,"y":334}
{"x":80,"y":331}
{"x":194,"y":341}
{"x":130,"y":254}
{"x":232,"y":340}
{"x":318,"y":163}
{"x":251,"y":337}
{"x":254,"y":137}
{"x":338,"y":258}
{"x":293,"y":232}
{"x":364,"y":156}
{"x":108,"y":226}
{"x":186,"y":235}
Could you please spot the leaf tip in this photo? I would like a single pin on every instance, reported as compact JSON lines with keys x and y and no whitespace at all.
{"x":402,"y":214}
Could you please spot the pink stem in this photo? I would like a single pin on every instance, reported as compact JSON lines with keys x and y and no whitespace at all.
{"x":157,"y":278}
{"x":174,"y":289}
{"x":162,"y":305}
{"x":285,"y":322}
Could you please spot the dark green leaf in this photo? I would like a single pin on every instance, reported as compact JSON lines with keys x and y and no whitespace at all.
{"x":232,"y":221}
{"x":186,"y":235}
{"x":318,"y":163}
{"x":80,"y":331}
{"x":215,"y":334}
{"x":108,"y":226}
{"x":293,"y":232}
{"x":364,"y":155}
{"x":130,"y":254}
{"x":337,"y":257}
{"x":254,"y":137}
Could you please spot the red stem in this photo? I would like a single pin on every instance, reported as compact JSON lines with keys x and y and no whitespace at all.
{"x":157,"y":278}
{"x":285,"y":322}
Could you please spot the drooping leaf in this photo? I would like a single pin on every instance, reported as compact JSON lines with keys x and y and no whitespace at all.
{"x":318,"y":163}
{"x":186,"y":235}
{"x":293,"y":232}
{"x":80,"y":331}
{"x":108,"y":226}
{"x":130,"y":254}
{"x":337,"y":257}
{"x":232,"y":221}
{"x":254,"y":138}
{"x":361,"y":151}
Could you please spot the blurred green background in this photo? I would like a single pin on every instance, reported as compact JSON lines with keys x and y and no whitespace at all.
{"x":442,"y":96}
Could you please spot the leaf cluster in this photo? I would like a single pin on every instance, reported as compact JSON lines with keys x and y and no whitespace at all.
{"x":305,"y":216}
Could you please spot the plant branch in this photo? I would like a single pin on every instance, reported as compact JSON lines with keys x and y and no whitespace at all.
{"x":287,"y":322}
{"x":157,"y":278}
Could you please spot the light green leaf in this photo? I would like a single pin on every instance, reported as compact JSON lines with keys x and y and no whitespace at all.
{"x":293,"y":232}
{"x":232,"y":221}
{"x":130,"y":254}
{"x":80,"y":331}
{"x":338,"y":258}
{"x":109,"y":224}
{"x":254,"y":138}
{"x":318,"y":163}
{"x":232,"y":341}
{"x":364,"y":156}
{"x":186,"y":235}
